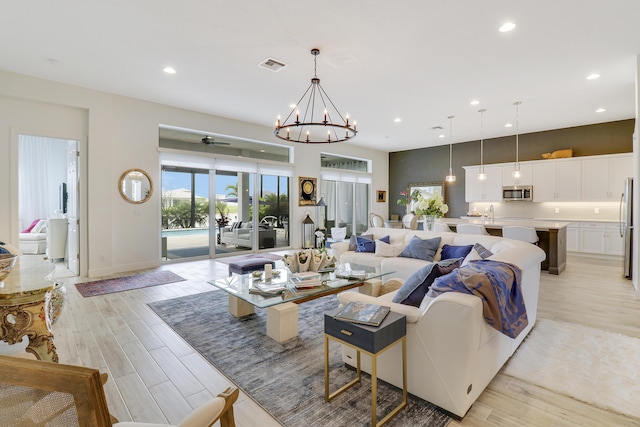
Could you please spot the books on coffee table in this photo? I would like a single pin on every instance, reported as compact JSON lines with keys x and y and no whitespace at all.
{"x":360,"y":312}
{"x":306,"y":280}
{"x":267,"y":288}
{"x":306,"y":275}
{"x":352,"y":274}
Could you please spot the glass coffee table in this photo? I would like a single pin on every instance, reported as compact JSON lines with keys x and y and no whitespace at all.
{"x":282,"y":309}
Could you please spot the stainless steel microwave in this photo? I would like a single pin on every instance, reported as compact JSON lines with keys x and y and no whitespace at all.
{"x":517,"y":192}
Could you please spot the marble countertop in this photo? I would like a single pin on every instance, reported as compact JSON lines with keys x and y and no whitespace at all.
{"x":539,"y":225}
{"x":31,"y":275}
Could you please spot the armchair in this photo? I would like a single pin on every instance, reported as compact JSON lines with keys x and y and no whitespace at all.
{"x":241,"y":234}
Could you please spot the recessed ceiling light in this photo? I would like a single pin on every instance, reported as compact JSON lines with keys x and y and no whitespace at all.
{"x":441,"y":136}
{"x":169,"y":70}
{"x":506,"y":27}
{"x":474,"y":102}
{"x":508,"y":125}
{"x":397,"y":120}
{"x":292,"y":105}
{"x":593,"y":76}
{"x":601,"y":110}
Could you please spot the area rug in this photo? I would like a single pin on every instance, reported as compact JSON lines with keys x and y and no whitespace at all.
{"x":595,"y":366}
{"x":119,"y":284}
{"x":227,"y":260}
{"x":287,"y":379}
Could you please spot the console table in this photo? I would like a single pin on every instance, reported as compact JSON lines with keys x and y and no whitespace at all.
{"x":24,"y":307}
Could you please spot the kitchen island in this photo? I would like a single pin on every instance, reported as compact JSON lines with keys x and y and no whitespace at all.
{"x":552,"y":234}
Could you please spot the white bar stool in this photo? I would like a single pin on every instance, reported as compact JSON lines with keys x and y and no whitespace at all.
{"x":515,"y":232}
{"x":471,"y":229}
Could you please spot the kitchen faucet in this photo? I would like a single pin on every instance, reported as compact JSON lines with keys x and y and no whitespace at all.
{"x":492,"y":213}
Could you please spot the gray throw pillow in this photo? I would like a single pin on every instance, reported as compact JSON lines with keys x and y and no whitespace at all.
{"x":421,"y":249}
{"x":416,"y":287}
{"x":353,"y":245}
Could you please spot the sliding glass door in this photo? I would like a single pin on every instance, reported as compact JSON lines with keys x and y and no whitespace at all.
{"x":185,"y":212}
{"x":274,"y":208}
{"x":238,"y":196}
{"x":234,"y":211}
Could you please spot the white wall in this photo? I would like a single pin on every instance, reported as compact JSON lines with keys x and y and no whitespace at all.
{"x":116,"y":134}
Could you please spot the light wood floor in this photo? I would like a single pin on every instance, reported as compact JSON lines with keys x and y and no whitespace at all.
{"x":154,"y":376}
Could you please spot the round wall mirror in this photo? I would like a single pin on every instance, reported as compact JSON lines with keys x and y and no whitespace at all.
{"x":135,"y":186}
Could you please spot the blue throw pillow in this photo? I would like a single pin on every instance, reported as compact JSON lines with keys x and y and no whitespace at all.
{"x":352,"y":241}
{"x":421,"y":249}
{"x":365,"y":244}
{"x":416,"y":287}
{"x":450,"y":251}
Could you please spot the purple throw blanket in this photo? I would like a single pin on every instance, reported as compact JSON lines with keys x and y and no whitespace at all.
{"x":497,"y":284}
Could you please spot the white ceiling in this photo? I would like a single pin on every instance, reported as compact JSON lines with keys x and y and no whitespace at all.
{"x":420,"y":60}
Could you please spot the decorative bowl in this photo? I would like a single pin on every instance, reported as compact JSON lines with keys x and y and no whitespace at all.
{"x":7,"y":261}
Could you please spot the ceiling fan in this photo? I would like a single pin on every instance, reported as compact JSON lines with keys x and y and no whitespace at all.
{"x":209,"y":140}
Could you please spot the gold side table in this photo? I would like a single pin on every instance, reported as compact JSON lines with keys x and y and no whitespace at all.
{"x":369,"y":340}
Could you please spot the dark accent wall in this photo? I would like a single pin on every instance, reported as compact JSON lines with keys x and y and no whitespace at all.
{"x":432,"y":164}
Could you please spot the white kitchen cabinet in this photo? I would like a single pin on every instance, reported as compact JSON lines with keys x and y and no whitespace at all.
{"x":614,"y":242}
{"x":592,"y":238}
{"x":488,"y":190}
{"x":526,"y":175}
{"x":557,"y":181}
{"x":573,"y":237}
{"x":601,"y":238}
{"x":603,"y":177}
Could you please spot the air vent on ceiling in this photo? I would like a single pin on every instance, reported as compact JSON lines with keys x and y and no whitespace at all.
{"x":272,"y":64}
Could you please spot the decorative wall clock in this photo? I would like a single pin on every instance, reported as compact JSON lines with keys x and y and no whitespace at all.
{"x":307,"y":190}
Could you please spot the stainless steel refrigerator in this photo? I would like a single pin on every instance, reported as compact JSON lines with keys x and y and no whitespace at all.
{"x":626,"y":225}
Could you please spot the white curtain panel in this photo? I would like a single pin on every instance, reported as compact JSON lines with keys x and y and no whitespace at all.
{"x":41,"y":170}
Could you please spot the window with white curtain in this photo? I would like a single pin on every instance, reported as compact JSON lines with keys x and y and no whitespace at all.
{"x":42,"y":168}
{"x":347,"y":198}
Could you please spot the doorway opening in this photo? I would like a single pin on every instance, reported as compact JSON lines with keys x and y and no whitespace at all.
{"x":48,"y":199}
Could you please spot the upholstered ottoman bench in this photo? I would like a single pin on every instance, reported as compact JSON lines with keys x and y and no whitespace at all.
{"x":248,"y":265}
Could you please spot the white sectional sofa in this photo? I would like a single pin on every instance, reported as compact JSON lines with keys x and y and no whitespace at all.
{"x":452,"y":352}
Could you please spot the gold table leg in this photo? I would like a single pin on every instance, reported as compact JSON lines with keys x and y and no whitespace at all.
{"x":31,"y":320}
{"x":374,"y":377}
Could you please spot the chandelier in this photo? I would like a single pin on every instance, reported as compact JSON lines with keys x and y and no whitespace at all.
{"x":316,"y":125}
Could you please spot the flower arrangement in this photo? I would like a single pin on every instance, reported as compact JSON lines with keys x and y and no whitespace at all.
{"x":434,"y":206}
{"x":320,"y":238}
{"x":407,"y":198}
